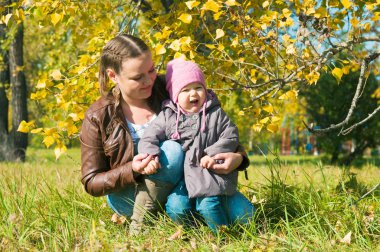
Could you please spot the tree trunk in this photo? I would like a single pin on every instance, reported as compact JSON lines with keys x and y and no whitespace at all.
{"x":19,"y":94}
{"x":359,"y":149}
{"x":335,"y":155}
{"x":4,"y":103}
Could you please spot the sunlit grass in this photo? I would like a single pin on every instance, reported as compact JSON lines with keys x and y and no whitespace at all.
{"x":302,"y":205}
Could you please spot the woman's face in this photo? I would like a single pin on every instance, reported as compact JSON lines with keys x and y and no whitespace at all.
{"x":136,"y":77}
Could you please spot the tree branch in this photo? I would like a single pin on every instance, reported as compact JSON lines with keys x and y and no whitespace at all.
{"x":367,"y":60}
{"x":348,"y":130}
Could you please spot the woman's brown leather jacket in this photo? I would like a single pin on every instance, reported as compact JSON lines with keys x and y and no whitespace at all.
{"x":107,"y":147}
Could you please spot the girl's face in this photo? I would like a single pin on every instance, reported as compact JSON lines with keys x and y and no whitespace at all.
{"x":192,"y":97}
{"x":136,"y":77}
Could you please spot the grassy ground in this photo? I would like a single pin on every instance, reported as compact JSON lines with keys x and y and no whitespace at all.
{"x":302,"y":205}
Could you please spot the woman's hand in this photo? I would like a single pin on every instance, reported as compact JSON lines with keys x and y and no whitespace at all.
{"x":231,"y":161}
{"x":145,"y":164}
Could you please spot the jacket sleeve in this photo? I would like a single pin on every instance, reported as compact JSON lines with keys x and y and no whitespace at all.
{"x":97,"y":176}
{"x":245,"y":163}
{"x":227,"y":135}
{"x":153,"y":135}
{"x":229,"y":127}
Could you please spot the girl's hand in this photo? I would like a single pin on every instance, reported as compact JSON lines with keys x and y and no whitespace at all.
{"x":152,"y":166}
{"x":207,"y":162}
{"x":231,"y":162}
{"x":140,"y":162}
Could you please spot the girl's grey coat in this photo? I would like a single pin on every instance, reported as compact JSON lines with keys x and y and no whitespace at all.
{"x":220,"y":136}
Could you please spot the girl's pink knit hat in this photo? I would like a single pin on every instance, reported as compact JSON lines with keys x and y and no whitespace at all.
{"x":179,"y":74}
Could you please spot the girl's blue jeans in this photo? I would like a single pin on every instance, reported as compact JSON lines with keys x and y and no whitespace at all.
{"x":216,"y":210}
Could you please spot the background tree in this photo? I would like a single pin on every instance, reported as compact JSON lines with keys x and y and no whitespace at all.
{"x":12,"y":74}
{"x":328,"y":102}
{"x":266,"y":50}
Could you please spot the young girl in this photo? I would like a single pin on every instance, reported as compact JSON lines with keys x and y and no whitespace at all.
{"x":193,"y":117}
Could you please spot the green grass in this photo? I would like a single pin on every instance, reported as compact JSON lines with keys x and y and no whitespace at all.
{"x":302,"y":205}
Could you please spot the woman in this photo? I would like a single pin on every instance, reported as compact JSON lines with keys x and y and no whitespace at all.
{"x":114,"y":124}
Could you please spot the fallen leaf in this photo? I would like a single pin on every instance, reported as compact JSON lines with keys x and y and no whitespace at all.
{"x":193,"y":243}
{"x":346,"y":239}
{"x":214,"y":247}
{"x":177,"y":235}
{"x":117,"y":219}
{"x":12,"y":218}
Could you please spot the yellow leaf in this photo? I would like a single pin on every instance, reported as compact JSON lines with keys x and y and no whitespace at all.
{"x":71,"y":129}
{"x":74,"y":116}
{"x":286,"y":38}
{"x":55,"y":18}
{"x":59,"y":150}
{"x":346,"y":4}
{"x":370,"y":7}
{"x":160,"y":49}
{"x":337,"y":73}
{"x":211,"y":46}
{"x":241,"y":113}
{"x":219,"y":33}
{"x":290,"y":49}
{"x":290,"y":67}
{"x":354,"y":22}
{"x":272,"y":128}
{"x":257,"y":127}
{"x":24,"y":126}
{"x":235,"y":42}
{"x":232,"y":3}
{"x":35,"y":131}
{"x":291,"y":94}
{"x":60,"y":86}
{"x":6,"y":18}
{"x":346,"y":69}
{"x":286,"y":12}
{"x":220,"y":47}
{"x":185,"y":40}
{"x":48,"y":141}
{"x":41,"y":83}
{"x":265,"y":4}
{"x":310,"y":11}
{"x":158,"y":35}
{"x":275,"y":119}
{"x":192,"y":4}
{"x":211,"y":6}
{"x":56,"y":74}
{"x":367,"y":27}
{"x":50,"y":131}
{"x":186,"y":18}
{"x":256,"y":112}
{"x":312,"y":77}
{"x":179,"y":55}
{"x":264,"y":120}
{"x":376,"y":94}
{"x":217,"y":15}
{"x":268,"y":108}
{"x":175,"y":45}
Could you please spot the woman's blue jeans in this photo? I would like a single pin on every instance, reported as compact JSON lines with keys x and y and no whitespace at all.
{"x":235,"y":208}
{"x":171,"y":171}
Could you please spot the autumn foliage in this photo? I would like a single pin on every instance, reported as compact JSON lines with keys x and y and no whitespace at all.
{"x":262,"y":50}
